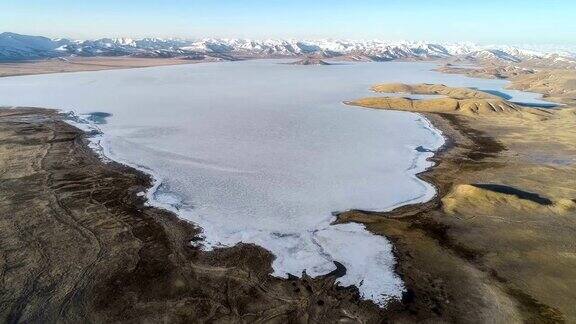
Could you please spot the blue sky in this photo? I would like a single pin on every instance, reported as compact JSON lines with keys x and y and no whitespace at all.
{"x":487,"y":21}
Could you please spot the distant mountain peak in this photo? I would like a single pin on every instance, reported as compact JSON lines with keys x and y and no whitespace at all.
{"x":20,"y":47}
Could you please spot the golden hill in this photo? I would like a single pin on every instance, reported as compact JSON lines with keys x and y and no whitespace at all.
{"x":433,"y":89}
{"x":556,"y":85}
{"x":461,"y":101}
{"x":465,"y":197}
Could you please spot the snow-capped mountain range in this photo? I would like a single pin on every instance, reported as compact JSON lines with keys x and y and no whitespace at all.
{"x":22,"y":47}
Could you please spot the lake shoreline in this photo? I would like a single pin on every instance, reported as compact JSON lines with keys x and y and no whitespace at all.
{"x":283,"y":176}
{"x":454,"y":252}
{"x":426,"y":247}
{"x":135,"y":262}
{"x":403,"y":228}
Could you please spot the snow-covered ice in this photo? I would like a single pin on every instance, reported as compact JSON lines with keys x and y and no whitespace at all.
{"x":264,"y":153}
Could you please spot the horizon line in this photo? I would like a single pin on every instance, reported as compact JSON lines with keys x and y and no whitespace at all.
{"x":391,"y":40}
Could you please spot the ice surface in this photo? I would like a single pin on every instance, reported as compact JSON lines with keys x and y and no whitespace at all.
{"x":264,"y":153}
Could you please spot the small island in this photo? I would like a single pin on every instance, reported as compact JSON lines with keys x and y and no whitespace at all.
{"x":310,"y":61}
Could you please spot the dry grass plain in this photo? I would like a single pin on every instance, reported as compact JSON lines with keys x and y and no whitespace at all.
{"x":497,"y":244}
{"x":79,"y":64}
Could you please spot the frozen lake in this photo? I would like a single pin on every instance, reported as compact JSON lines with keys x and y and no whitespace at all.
{"x":264,"y":153}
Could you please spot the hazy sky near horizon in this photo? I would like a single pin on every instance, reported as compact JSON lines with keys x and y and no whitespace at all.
{"x":487,"y":21}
